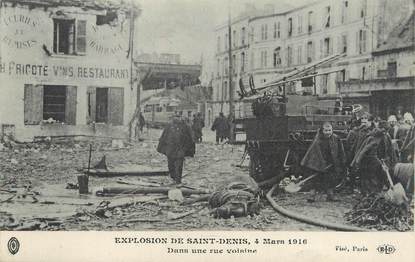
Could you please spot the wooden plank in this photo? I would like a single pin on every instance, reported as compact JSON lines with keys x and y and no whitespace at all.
{"x":116,"y":106}
{"x":33,"y":104}
{"x":70,"y":110}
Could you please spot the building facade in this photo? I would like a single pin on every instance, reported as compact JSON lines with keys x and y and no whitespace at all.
{"x":288,"y":40}
{"x":65,"y":67}
{"x":392,"y":88}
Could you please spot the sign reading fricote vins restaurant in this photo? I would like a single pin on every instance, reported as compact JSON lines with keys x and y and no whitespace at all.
{"x":64,"y":68}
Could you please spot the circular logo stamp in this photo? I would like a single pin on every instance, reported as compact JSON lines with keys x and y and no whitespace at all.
{"x":13,"y":245}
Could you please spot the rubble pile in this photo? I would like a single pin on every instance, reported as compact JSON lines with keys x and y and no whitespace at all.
{"x":375,"y":212}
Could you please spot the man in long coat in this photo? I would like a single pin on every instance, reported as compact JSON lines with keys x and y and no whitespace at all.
{"x":221,"y":126}
{"x":326,"y":157}
{"x":376,"y":146}
{"x":197,"y":126}
{"x":176,"y":143}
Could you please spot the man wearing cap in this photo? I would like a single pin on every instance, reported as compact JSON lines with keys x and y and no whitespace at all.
{"x":176,"y":142}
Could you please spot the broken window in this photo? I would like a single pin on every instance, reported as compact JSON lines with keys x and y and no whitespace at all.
{"x":68,"y":40}
{"x":105,"y":105}
{"x":109,"y":18}
{"x":49,"y":102}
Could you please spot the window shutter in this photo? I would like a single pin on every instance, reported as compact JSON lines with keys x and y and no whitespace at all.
{"x":70,"y":107}
{"x":33,"y":104}
{"x":91,"y":104}
{"x":81,"y":36}
{"x":116,"y":106}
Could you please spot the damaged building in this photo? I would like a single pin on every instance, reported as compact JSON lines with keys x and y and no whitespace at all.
{"x":65,"y":67}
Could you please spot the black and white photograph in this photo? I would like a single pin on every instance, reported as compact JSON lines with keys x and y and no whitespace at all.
{"x":207,"y":115}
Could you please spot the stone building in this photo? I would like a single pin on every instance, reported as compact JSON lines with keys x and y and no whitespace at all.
{"x":285,"y":40}
{"x":392,"y":88}
{"x":65,"y":67}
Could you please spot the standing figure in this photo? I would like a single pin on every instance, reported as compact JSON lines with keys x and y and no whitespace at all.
{"x":326,"y":157}
{"x":376,"y":146}
{"x":176,"y":143}
{"x":221,"y":126}
{"x":197,"y":126}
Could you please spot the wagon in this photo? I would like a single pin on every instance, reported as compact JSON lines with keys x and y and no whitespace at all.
{"x":277,"y":143}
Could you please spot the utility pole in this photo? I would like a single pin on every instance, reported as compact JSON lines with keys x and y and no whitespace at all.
{"x":231,"y":106}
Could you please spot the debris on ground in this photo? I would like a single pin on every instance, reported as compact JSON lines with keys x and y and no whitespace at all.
{"x":376,"y":212}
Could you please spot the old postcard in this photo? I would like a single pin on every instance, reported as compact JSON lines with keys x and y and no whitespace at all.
{"x":183,"y":130}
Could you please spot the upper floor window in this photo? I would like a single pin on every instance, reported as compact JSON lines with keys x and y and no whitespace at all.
{"x":264,"y":32}
{"x":251,"y":36}
{"x":299,"y":55}
{"x":264,"y":58}
{"x":234,"y":40}
{"x":344,"y":7}
{"x":290,"y":26}
{"x":243,"y":36}
{"x":277,"y":57}
{"x":275,"y":30}
{"x":343,"y":44}
{"x":326,"y":21}
{"x":362,"y":37}
{"x":289,"y":56}
{"x":310,"y":21}
{"x":69,"y":36}
{"x":300,"y":24}
{"x":363,"y":9}
{"x":310,"y":52}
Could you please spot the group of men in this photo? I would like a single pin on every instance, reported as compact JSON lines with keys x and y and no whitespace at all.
{"x":371,"y":144}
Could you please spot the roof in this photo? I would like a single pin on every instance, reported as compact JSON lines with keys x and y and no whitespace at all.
{"x":126,"y":5}
{"x":402,"y":37}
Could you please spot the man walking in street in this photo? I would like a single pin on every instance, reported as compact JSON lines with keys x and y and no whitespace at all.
{"x":197,"y":126}
{"x":221,"y":126}
{"x":176,"y":143}
{"x":326,"y":157}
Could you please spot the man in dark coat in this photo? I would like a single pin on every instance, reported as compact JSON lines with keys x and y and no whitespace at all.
{"x":376,"y":146}
{"x":408,"y":147}
{"x":197,"y":126}
{"x":176,"y":143}
{"x":326,"y":157}
{"x":221,"y":126}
